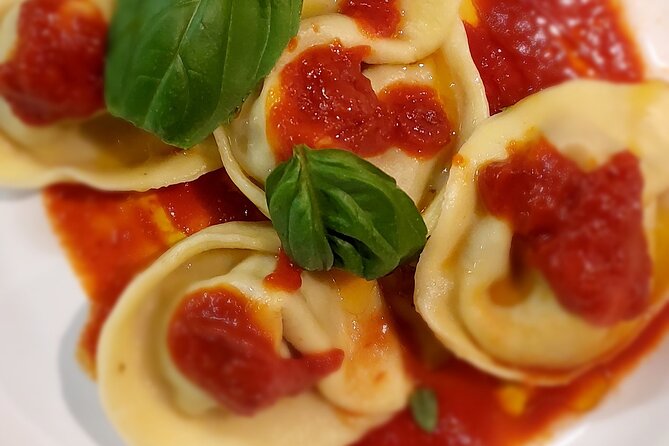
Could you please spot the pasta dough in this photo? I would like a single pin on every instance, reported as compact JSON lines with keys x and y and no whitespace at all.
{"x":536,"y":340}
{"x":247,"y":152}
{"x":422,"y":28}
{"x":329,"y":311}
{"x":102,"y":152}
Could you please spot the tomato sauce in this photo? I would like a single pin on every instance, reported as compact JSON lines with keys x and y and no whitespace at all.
{"x":111,"y":237}
{"x":524,"y":46}
{"x":210,"y":200}
{"x":379,"y":18}
{"x":478,"y":409}
{"x":327,"y":102}
{"x":286,"y":277}
{"x":582,"y":230}
{"x":216,"y":340}
{"x":55,"y":72}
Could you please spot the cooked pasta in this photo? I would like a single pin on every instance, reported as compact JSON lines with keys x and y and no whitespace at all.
{"x":526,"y":333}
{"x":100,"y":151}
{"x":328,"y":311}
{"x":251,"y":148}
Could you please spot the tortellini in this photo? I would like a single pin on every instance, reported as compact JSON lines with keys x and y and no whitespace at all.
{"x":535,"y":339}
{"x":330,"y":310}
{"x":102,"y":151}
{"x":248,"y":148}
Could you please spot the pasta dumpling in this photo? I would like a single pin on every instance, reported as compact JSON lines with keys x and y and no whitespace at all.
{"x":407,"y":119}
{"x":97,"y":150}
{"x":544,"y":287}
{"x":333,"y":330}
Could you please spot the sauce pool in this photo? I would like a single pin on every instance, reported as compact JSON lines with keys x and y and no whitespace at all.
{"x":112,"y":236}
{"x":524,"y":46}
{"x":476,"y":409}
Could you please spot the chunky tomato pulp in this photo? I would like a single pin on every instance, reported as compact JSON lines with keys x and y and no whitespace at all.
{"x":380,"y":18}
{"x":216,"y":339}
{"x":523,"y":46}
{"x":111,"y":237}
{"x":582,"y":230}
{"x":327,"y":102}
{"x":56,"y":69}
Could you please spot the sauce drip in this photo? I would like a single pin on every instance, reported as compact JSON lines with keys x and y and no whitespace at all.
{"x":524,"y":46}
{"x":111,"y":237}
{"x":286,"y":277}
{"x":216,"y":340}
{"x":476,"y":409}
{"x":56,"y":70}
{"x":582,"y":230}
{"x":379,"y":18}
{"x":327,"y":102}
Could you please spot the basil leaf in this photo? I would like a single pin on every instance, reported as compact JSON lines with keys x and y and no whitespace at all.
{"x":180,"y":68}
{"x":334,"y":209}
{"x":425,"y":409}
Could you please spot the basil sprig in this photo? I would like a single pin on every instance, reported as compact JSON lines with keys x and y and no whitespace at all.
{"x":425,"y":409}
{"x":332,"y":208}
{"x":179,"y":68}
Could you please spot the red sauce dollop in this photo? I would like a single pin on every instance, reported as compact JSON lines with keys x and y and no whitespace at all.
{"x":216,"y":340}
{"x":326,"y":102}
{"x":524,"y":46}
{"x":286,"y":277}
{"x":56,"y":70}
{"x":110,"y":237}
{"x":380,"y":18}
{"x":582,"y":230}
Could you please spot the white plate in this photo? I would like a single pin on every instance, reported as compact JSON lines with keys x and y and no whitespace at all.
{"x":45,"y":400}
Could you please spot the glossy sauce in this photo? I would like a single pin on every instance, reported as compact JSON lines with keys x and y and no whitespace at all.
{"x":379,"y":18}
{"x":217,"y":341}
{"x":524,"y":46}
{"x":476,"y":409}
{"x":286,"y":277}
{"x":210,"y":200}
{"x":111,"y":237}
{"x":582,"y":230}
{"x":327,"y":102}
{"x":55,"y":72}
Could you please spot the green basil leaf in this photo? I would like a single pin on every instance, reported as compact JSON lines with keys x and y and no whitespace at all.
{"x":180,"y":68}
{"x":331,"y":208}
{"x":425,"y":409}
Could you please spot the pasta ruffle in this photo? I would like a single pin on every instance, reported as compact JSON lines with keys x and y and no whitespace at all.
{"x":247,"y":153}
{"x":536,"y":340}
{"x":102,"y":152}
{"x":329,"y":311}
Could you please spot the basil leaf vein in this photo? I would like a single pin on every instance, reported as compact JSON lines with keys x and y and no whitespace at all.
{"x":334,"y":209}
{"x":180,"y":68}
